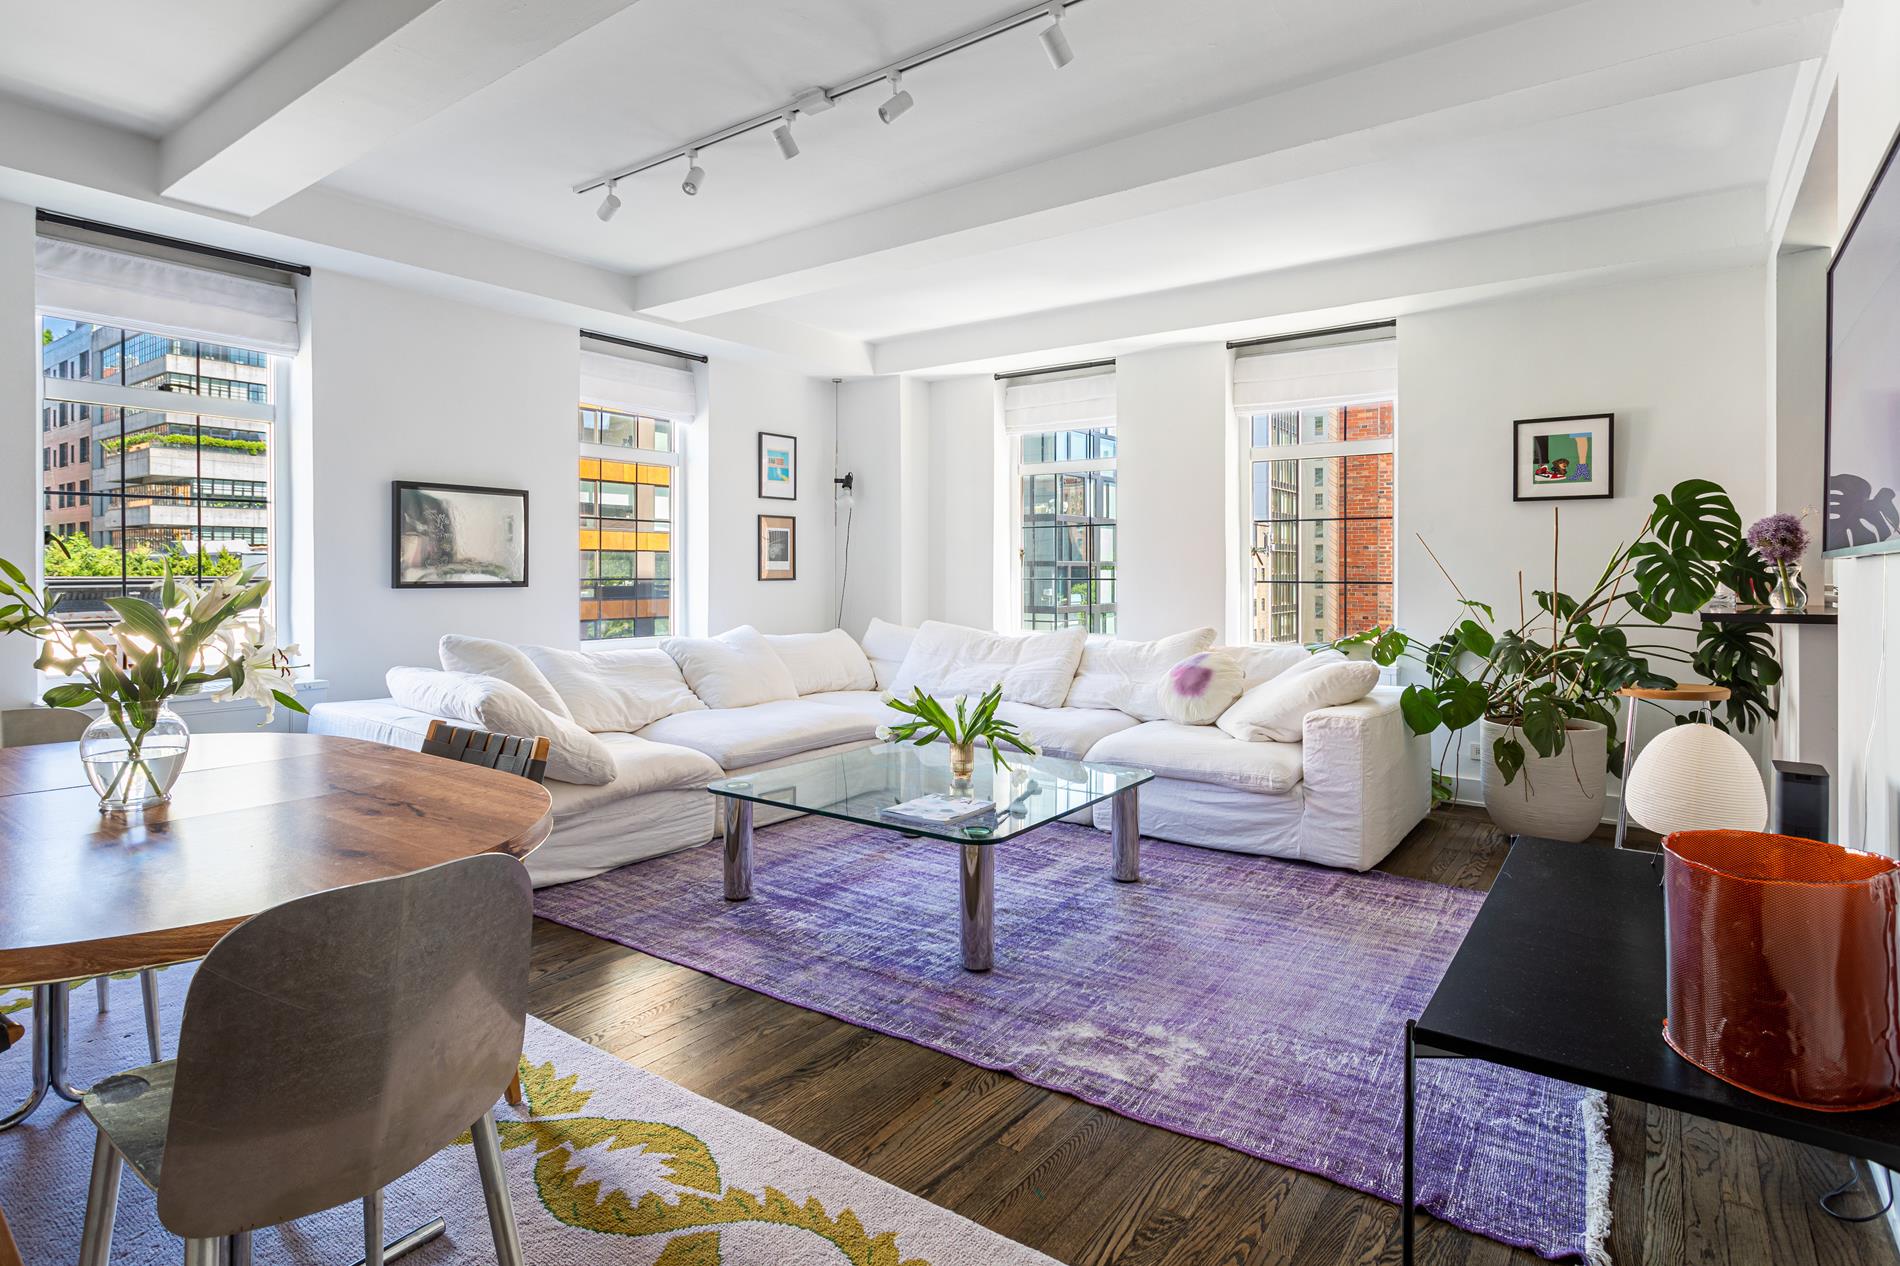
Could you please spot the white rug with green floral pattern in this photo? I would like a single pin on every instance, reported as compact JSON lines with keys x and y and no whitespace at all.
{"x":608,"y":1164}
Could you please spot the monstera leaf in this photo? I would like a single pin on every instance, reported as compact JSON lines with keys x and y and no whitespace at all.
{"x":1669,"y":581}
{"x":1697,"y":517}
{"x":1741,"y":657}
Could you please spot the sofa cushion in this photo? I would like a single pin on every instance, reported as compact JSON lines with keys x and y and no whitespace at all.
{"x":821,"y":662}
{"x":1201,"y":687}
{"x":1126,"y":675}
{"x":886,"y":645}
{"x":1065,"y":732}
{"x":489,"y":658}
{"x":1276,"y":710}
{"x":640,"y":766}
{"x":949,"y":659}
{"x":1201,"y":753}
{"x":616,"y":690}
{"x":870,"y":706}
{"x":488,"y":703}
{"x":742,"y":737}
{"x":734,"y":670}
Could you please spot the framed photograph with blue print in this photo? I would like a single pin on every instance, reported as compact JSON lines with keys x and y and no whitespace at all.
{"x":1564,"y":459}
{"x":778,"y":467}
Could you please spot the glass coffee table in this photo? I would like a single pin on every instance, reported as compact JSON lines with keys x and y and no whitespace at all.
{"x":857,"y":786}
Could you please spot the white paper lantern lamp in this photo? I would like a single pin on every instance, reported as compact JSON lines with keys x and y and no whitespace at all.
{"x":1696,"y":778}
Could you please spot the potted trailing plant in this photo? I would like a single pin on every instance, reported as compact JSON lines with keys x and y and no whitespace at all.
{"x":931,"y":720}
{"x":189,"y":639}
{"x":1543,"y":688}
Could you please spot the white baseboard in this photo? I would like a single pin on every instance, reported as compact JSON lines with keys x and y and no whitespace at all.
{"x":1469,"y":790}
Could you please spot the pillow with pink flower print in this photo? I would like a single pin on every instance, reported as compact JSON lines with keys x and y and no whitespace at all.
{"x":1201,"y":687}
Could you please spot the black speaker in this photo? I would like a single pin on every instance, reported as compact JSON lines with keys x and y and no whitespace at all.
{"x":1800,"y":800}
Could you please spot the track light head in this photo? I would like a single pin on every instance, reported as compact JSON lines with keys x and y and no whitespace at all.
{"x":1054,"y":42}
{"x":783,"y":135}
{"x":695,"y":174}
{"x":609,"y":204}
{"x":893,"y":110}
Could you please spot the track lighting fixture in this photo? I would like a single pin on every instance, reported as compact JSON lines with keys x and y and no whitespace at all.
{"x":1054,"y":42}
{"x":783,"y":135}
{"x":609,"y":204}
{"x":1042,"y":16}
{"x":893,"y":110}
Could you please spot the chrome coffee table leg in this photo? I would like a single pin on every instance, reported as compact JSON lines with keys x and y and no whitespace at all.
{"x":738,"y":849}
{"x":978,"y":891}
{"x":59,"y":1042}
{"x":42,"y":1040}
{"x":1126,"y":830}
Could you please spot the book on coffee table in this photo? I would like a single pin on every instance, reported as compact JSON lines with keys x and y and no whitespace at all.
{"x":938,"y":809}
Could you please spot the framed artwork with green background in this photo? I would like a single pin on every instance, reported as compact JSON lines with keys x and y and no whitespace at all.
{"x":1564,"y":459}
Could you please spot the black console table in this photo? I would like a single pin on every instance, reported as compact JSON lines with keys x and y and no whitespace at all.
{"x":1563,"y":974}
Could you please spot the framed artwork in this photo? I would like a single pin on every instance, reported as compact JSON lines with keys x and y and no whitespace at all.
{"x":456,"y":536}
{"x":1564,"y":459}
{"x":778,"y":547}
{"x":778,"y":467}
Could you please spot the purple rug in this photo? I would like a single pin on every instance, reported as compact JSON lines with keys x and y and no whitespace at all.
{"x":1255,"y":1003}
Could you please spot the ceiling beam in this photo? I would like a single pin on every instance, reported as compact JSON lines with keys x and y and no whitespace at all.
{"x":1584,"y":57}
{"x":359,"y":75}
{"x":1684,"y":233}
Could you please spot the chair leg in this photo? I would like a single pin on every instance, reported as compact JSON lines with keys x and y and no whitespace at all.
{"x":501,"y":1214}
{"x":148,"y":990}
{"x":103,"y":994}
{"x":373,"y":1228}
{"x":237,"y":1249}
{"x":102,"y":1202}
{"x":513,"y":1093}
{"x":204,"y":1252}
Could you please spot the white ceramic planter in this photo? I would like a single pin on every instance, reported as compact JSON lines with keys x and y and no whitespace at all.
{"x":1557,"y":797}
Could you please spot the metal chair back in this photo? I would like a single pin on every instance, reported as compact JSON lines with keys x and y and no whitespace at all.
{"x":506,"y":752}
{"x":335,"y":1042}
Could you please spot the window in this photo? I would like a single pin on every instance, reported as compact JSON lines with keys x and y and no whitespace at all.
{"x":1322,"y":568}
{"x":628,"y":514}
{"x":1062,"y":447}
{"x":184,"y":478}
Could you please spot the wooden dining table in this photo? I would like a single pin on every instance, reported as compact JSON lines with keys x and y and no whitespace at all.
{"x":256,"y":820}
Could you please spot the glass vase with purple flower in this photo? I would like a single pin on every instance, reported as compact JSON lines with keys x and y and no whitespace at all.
{"x":1780,"y":541}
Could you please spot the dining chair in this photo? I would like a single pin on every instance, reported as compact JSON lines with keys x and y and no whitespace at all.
{"x":507,"y":752}
{"x":65,"y":725}
{"x":265,"y":1117}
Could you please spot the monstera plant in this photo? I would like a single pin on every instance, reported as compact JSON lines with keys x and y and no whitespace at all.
{"x":1541,"y":681}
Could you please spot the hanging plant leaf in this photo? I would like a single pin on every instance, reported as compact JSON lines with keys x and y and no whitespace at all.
{"x":1476,"y":638}
{"x":1741,"y":657}
{"x":1419,"y":708}
{"x":1508,"y":753}
{"x":1461,"y":702}
{"x":1543,"y":724}
{"x":1389,"y":646}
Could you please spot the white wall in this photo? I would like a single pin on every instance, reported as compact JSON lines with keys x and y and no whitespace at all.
{"x":883,"y":435}
{"x":1865,"y":52}
{"x":744,"y":399}
{"x":20,"y":447}
{"x":967,"y":508}
{"x":1172,"y":446}
{"x":1678,"y":360}
{"x":404,"y":385}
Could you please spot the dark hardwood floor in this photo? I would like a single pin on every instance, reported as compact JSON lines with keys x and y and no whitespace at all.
{"x":1086,"y":1186}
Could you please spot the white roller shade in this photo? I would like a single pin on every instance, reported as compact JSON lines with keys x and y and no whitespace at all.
{"x":1060,"y":404}
{"x":626,"y":385}
{"x":1317,"y":375}
{"x":120,"y":288}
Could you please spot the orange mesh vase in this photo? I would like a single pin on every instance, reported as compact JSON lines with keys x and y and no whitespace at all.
{"x":1782,"y":966}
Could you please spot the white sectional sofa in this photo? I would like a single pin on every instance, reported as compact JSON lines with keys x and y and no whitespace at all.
{"x":695,"y":710}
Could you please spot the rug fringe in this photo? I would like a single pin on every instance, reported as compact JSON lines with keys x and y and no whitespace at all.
{"x":1598,"y":1164}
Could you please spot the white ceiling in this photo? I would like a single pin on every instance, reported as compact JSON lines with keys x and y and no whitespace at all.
{"x":1191,"y":143}
{"x":139,"y":65}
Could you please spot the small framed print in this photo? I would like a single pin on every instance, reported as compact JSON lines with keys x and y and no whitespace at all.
{"x":778,"y":547}
{"x":1564,"y":459}
{"x":778,"y":467}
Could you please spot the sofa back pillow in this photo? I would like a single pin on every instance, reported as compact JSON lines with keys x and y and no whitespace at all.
{"x":1199,"y":688}
{"x":486,"y":657}
{"x":1264,"y":663}
{"x":1275,"y":711}
{"x":615,"y":690}
{"x":886,"y":645}
{"x":1126,"y":675}
{"x":734,"y":670}
{"x":949,"y":660}
{"x":489,"y":703}
{"x":821,"y":662}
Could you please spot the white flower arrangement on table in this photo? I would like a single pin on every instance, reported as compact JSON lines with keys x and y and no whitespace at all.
{"x":931,"y":720}
{"x":193,"y":636}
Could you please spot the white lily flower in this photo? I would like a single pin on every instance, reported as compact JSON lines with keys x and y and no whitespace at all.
{"x":267,"y":668}
{"x":884,"y":734}
{"x":219,"y":592}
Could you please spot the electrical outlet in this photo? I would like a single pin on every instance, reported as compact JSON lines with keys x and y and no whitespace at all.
{"x":1473,"y":752}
